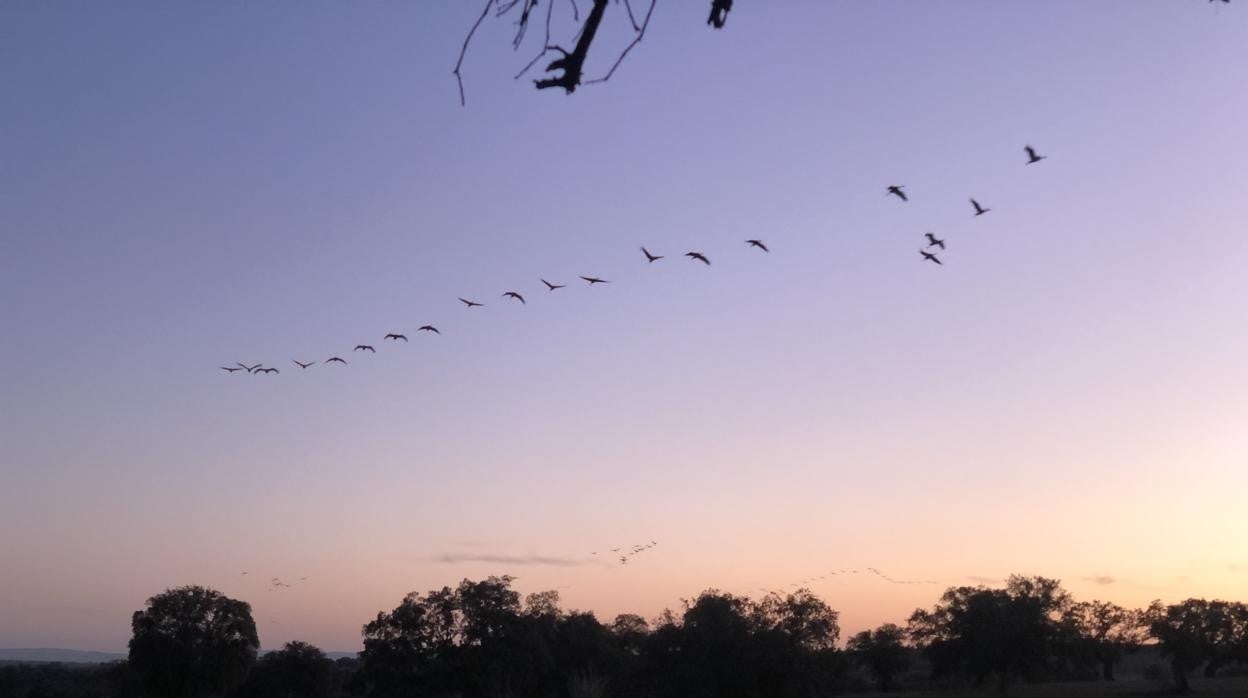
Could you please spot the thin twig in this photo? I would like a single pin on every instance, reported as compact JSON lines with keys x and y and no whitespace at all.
{"x":629,"y":6}
{"x":576,"y":14}
{"x":464,"y":49}
{"x":545,"y":44}
{"x":641,"y":32}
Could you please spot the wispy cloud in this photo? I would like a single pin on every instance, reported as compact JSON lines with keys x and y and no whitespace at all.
{"x":1103,"y":580}
{"x":524,"y":560}
{"x":984,"y":580}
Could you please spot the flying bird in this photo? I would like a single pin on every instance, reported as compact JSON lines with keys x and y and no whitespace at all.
{"x":1032,"y":157}
{"x":364,"y":347}
{"x":267,"y":370}
{"x":428,"y":328}
{"x":594,"y":280}
{"x":332,"y":359}
{"x":979,"y":210}
{"x":699,"y":257}
{"x":249,"y":369}
{"x":933,"y":241}
{"x":469,"y":303}
{"x":396,"y":336}
{"x":551,"y":287}
{"x":231,"y":369}
{"x":757,"y":243}
{"x":650,"y":257}
{"x":896,"y":190}
{"x":300,"y":364}
{"x":931,"y":258}
{"x":513,"y":294}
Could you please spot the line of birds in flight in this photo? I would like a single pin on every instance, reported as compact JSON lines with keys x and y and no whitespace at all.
{"x":276,"y":583}
{"x":637,"y":549}
{"x":896,"y":190}
{"x":836,"y":573}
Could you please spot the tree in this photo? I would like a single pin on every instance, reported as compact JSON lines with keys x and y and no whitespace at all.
{"x":192,"y":641}
{"x":1103,"y":632}
{"x":1195,"y":632}
{"x":980,"y":632}
{"x":298,"y":670}
{"x":568,"y":68}
{"x":882,"y":651}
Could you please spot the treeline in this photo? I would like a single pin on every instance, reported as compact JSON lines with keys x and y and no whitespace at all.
{"x":482,"y":639}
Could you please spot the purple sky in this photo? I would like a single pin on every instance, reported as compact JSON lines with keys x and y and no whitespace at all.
{"x":186,"y":186}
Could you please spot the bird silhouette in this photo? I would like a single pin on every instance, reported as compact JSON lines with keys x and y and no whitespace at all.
{"x":364,"y":347}
{"x":650,"y":257}
{"x":332,"y":359}
{"x":267,"y":370}
{"x":428,"y":328}
{"x":933,"y":241}
{"x":551,"y":287}
{"x":513,"y":294}
{"x":249,"y":369}
{"x":1032,"y":157}
{"x":470,"y":304}
{"x":595,"y":280}
{"x":979,"y":210}
{"x":930,"y":257}
{"x":699,"y":257}
{"x":396,"y":336}
{"x":231,"y":369}
{"x":757,"y":243}
{"x":300,"y":364}
{"x":896,"y":190}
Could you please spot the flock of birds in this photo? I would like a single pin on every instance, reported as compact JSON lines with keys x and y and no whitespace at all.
{"x":637,"y":549}
{"x":928,"y":253}
{"x":835,"y":573}
{"x":933,"y":242}
{"x":276,"y":583}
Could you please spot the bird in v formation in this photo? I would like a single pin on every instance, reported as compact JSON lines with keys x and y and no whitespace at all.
{"x":897,"y":190}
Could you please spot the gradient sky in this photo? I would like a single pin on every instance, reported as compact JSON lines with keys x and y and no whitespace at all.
{"x":187,"y":185}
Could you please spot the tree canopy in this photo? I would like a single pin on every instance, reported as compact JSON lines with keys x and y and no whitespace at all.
{"x":192,"y":641}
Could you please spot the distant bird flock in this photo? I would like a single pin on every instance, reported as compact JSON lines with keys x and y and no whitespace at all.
{"x":845,"y":572}
{"x":636,"y":549}
{"x":928,"y":253}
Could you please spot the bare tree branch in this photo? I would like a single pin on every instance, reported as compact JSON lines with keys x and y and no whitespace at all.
{"x":641,"y":32}
{"x":576,"y":13}
{"x":464,"y":49}
{"x":629,"y":6}
{"x":545,"y":42}
{"x":572,"y":64}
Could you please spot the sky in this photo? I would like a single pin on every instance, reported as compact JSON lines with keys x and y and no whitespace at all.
{"x":185,"y":186}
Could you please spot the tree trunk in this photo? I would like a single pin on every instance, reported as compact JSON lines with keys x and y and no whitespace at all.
{"x":1107,"y":669}
{"x":1211,"y":669}
{"x":1180,"y":676}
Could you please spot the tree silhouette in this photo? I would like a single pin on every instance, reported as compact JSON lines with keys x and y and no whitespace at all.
{"x":1103,"y":632}
{"x":567,"y":70}
{"x":192,"y":641}
{"x":726,"y":646}
{"x":882,"y":651}
{"x":1195,"y":632}
{"x":981,"y":632}
{"x":298,"y":670}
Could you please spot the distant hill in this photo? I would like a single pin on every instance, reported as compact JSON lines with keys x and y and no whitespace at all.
{"x":52,"y":654}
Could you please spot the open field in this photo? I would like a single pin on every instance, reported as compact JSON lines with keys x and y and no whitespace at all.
{"x":1237,"y":686}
